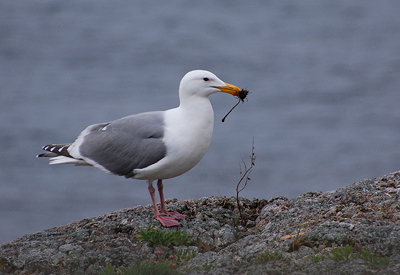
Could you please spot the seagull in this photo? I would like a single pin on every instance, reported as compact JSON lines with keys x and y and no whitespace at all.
{"x":152,"y":145}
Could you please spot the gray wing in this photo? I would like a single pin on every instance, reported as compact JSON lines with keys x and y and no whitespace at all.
{"x":125,"y":144}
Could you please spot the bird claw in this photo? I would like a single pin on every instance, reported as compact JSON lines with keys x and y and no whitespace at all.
{"x":175,"y":215}
{"x":167,"y":221}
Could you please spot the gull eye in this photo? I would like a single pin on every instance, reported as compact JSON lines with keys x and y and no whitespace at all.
{"x":206,"y":79}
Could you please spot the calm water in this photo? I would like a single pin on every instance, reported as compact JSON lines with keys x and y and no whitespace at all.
{"x":323,"y":111}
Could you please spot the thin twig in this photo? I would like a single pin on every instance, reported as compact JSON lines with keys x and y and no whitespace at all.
{"x":245,"y":176}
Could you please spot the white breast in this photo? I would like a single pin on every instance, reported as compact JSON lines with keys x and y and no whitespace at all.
{"x":188,"y":133}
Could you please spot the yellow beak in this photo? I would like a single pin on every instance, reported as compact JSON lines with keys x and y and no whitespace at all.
{"x":229,"y":89}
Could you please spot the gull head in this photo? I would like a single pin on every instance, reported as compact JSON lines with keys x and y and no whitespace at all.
{"x":203,"y":84}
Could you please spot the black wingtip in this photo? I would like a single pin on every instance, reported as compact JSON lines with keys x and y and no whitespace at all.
{"x":55,"y":149}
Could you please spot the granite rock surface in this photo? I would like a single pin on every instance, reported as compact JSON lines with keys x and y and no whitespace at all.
{"x":351,"y":230}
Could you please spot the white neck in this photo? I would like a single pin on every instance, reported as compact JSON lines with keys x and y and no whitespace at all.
{"x":186,"y":136}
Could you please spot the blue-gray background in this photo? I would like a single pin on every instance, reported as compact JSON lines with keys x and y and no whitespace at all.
{"x":324,"y":77}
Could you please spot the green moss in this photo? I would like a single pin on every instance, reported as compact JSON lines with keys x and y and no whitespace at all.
{"x":165,"y":263}
{"x":108,"y":270}
{"x":373,"y":261}
{"x":151,"y":268}
{"x":317,"y":258}
{"x":267,"y":257}
{"x":156,"y":237}
{"x":143,"y":268}
{"x":342,"y":253}
{"x":347,"y":252}
{"x":182,"y":256}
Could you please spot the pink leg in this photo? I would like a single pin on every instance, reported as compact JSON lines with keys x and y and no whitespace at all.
{"x":163,"y":209}
{"x":165,"y":221}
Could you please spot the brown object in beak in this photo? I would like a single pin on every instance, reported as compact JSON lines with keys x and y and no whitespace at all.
{"x":241,"y":95}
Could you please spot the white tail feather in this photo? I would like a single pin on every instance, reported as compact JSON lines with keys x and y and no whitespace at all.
{"x":67,"y":160}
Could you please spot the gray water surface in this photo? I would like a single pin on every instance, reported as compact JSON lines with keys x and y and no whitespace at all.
{"x":324,"y":78}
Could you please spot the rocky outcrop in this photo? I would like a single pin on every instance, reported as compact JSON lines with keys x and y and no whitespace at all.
{"x":352,"y":230}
